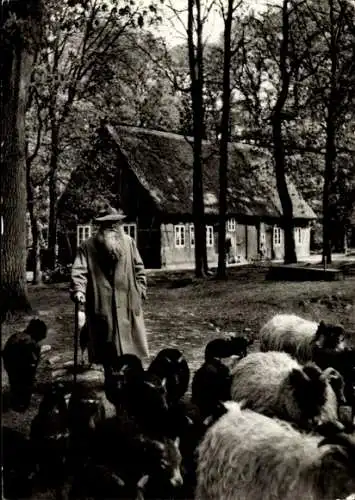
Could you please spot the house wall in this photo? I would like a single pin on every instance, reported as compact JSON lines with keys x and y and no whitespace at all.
{"x":302,"y":248}
{"x":172,"y":256}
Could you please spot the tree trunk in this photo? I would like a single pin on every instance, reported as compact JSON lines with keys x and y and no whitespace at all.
{"x":16,"y":65}
{"x":35,"y":231}
{"x":285,"y":198}
{"x":330,"y":149}
{"x":197,"y":84}
{"x":225,"y":135}
{"x":52,"y":219}
{"x":279,"y":151}
{"x":330,"y":155}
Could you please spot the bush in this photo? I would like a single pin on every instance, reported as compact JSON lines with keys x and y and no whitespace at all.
{"x":60,"y":274}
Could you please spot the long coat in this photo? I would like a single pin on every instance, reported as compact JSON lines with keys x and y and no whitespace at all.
{"x":113,"y":312}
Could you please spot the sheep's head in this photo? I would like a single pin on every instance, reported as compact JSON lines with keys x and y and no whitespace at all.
{"x":37,"y":329}
{"x":336,"y":382}
{"x":309,"y":389}
{"x":164,"y":460}
{"x":330,"y":336}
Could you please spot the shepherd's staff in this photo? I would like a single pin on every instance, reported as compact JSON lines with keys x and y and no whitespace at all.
{"x":76,"y":340}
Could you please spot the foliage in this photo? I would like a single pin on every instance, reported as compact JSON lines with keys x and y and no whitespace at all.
{"x":60,"y":274}
{"x":81,"y":40}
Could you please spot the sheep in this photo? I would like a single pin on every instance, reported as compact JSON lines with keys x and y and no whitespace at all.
{"x":171,"y":365}
{"x":246,"y":455}
{"x":49,"y":434}
{"x":210,"y":384}
{"x":344,"y":363}
{"x":300,"y":337}
{"x":190,"y":425}
{"x":21,"y":356}
{"x":224,"y":348}
{"x":147,"y":402}
{"x":87,"y":407}
{"x":120,"y":376}
{"x":121,"y":444}
{"x":275,"y":384}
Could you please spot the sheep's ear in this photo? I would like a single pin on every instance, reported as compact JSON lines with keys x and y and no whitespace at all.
{"x":163,"y":382}
{"x":118,"y":480}
{"x":312,"y":371}
{"x":158,"y":444}
{"x":143,"y":481}
{"x":297,"y":378}
{"x":189,"y":420}
{"x":177,"y":442}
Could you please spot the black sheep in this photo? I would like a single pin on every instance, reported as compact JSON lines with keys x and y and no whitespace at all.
{"x":210,"y":385}
{"x":120,"y":376}
{"x":171,"y":365}
{"x":224,"y":348}
{"x":50,"y":434}
{"x":21,"y":356}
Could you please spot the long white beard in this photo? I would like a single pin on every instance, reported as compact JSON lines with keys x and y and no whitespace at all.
{"x":111,"y":242}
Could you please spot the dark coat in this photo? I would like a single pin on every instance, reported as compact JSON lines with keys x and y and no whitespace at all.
{"x":112,"y":308}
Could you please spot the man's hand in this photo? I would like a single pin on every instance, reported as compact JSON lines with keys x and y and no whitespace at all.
{"x":79,"y":298}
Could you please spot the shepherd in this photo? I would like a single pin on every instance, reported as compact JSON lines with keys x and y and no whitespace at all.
{"x":109,"y":280}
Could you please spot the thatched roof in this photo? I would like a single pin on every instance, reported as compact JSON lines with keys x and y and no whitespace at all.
{"x":163,"y":164}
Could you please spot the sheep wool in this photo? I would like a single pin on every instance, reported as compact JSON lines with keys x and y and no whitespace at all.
{"x":275,"y":384}
{"x":248,"y":456}
{"x":298,"y":336}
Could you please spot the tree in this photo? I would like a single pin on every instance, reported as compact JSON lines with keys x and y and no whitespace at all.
{"x":225,"y":134}
{"x":331,"y":92}
{"x":197,"y":84}
{"x":19,"y":33}
{"x":81,"y":38}
{"x":197,"y":15}
{"x":277,"y":118}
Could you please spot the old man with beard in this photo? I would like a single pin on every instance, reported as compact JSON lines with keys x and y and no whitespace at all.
{"x":108,"y":276}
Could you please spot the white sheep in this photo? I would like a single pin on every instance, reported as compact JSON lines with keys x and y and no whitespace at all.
{"x":248,"y":456}
{"x":275,"y":384}
{"x":300,"y":337}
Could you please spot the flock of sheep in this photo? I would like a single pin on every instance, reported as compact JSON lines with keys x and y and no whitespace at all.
{"x":277,"y":424}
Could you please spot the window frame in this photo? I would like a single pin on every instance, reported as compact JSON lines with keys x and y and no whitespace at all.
{"x":130,"y":226}
{"x":276,"y":236}
{"x":298,"y":236}
{"x":179,"y":236}
{"x":86,"y":229}
{"x":209,"y":235}
{"x":231,"y":225}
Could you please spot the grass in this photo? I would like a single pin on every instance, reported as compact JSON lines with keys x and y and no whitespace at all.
{"x":187,"y":313}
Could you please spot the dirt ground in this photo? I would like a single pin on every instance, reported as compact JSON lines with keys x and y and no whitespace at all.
{"x":185,"y":313}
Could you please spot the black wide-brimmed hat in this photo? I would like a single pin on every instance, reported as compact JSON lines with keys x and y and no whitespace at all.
{"x":110,"y":214}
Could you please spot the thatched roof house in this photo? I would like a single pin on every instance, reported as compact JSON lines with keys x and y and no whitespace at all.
{"x":150,"y":173}
{"x":163,"y":164}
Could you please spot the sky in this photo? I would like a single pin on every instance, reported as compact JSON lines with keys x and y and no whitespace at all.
{"x":174,"y":29}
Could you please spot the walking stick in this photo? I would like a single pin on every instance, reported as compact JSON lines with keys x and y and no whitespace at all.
{"x":76,"y":341}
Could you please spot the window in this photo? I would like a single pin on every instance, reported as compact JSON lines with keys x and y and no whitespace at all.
{"x":179,"y":236}
{"x":131,"y":230}
{"x":209,"y":236}
{"x":231,"y":225}
{"x":83,"y":233}
{"x":192,"y":235}
{"x":277,"y":236}
{"x":298,"y":236}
